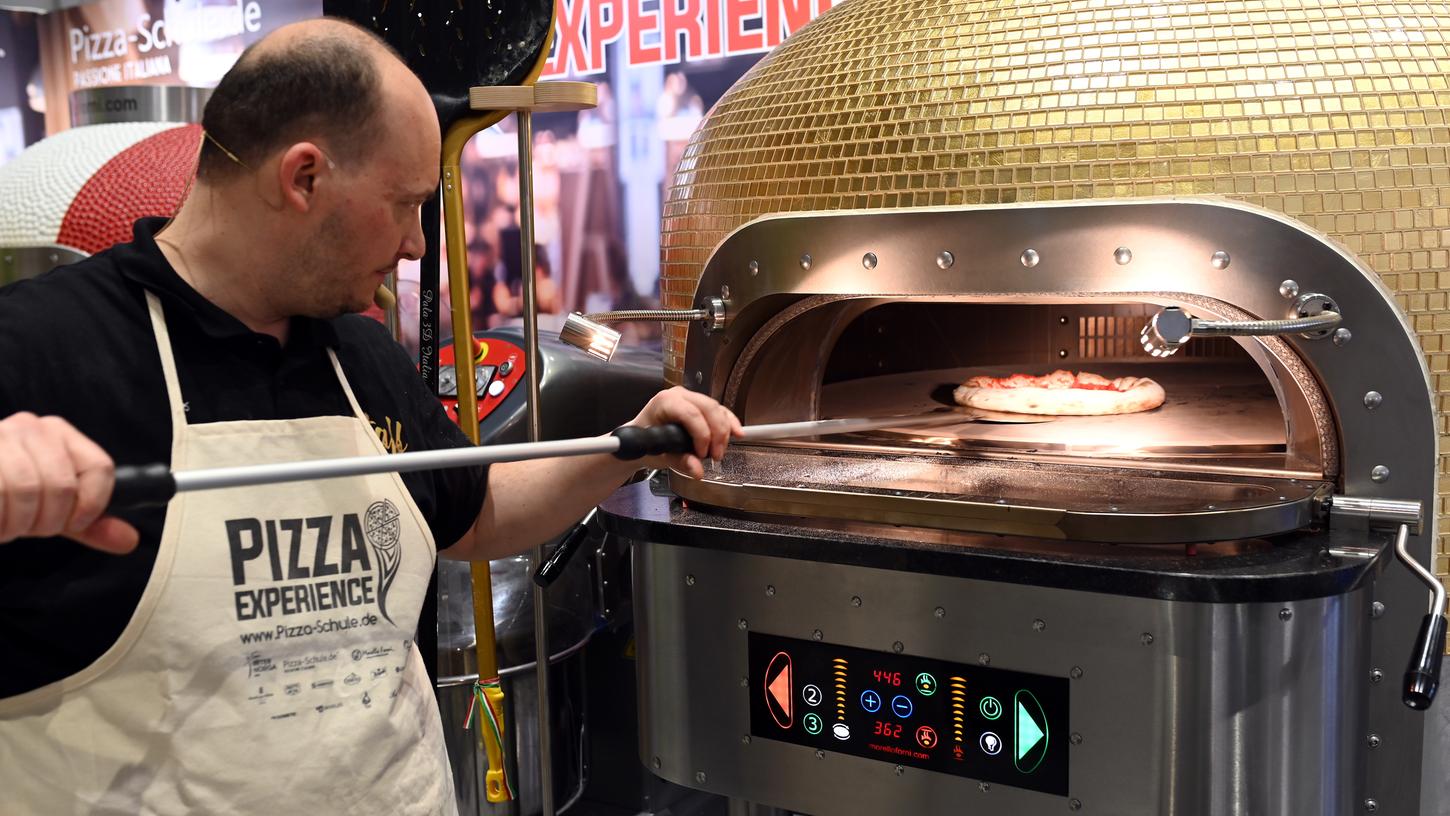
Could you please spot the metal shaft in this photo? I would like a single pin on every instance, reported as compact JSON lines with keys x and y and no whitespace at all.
{"x":821,"y":427}
{"x":531,"y":353}
{"x":246,"y":475}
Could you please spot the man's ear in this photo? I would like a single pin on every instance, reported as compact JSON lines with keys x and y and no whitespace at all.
{"x":299,"y":171}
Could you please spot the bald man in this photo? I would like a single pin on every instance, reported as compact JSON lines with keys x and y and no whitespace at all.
{"x":250,"y":650}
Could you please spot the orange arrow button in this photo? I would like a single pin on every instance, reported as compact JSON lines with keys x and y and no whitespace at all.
{"x":778,"y":690}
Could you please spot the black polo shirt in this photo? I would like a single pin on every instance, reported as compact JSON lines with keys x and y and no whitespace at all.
{"x":77,"y":343}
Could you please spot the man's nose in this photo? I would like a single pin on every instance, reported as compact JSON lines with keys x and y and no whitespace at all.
{"x":413,"y":242}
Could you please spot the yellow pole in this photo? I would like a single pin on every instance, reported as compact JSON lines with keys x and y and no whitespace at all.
{"x":457,"y":245}
{"x":456,"y":137}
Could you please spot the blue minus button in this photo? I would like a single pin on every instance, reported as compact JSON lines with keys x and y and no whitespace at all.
{"x":901,"y":706}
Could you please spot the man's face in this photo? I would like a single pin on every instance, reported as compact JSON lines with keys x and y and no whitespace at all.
{"x":366,"y":224}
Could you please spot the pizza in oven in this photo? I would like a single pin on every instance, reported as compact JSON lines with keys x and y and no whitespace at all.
{"x":1061,"y":393}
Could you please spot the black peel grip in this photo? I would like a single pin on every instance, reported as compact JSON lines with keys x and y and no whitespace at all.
{"x":1423,"y":677}
{"x":141,"y":486}
{"x":636,"y":442}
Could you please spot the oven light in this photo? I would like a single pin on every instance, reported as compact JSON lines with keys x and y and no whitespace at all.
{"x":594,"y":339}
{"x":1166,"y":332}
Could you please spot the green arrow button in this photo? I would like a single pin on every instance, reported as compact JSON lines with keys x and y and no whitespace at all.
{"x":1028,"y":733}
{"x":1029,"y":737}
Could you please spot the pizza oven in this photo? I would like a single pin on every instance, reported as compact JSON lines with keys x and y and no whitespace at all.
{"x":1195,"y":609}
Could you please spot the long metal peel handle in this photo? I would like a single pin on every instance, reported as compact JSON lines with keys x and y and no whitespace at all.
{"x":148,"y":485}
{"x":1422,"y":678}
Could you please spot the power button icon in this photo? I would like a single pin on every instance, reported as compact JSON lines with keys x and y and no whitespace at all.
{"x":990,"y":708}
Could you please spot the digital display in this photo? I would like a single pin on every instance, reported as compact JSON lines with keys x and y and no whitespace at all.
{"x":988,"y":724}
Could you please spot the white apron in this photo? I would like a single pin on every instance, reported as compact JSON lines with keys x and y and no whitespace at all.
{"x":269,"y":667}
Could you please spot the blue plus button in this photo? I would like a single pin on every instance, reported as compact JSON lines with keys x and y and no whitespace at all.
{"x":871,"y":701}
{"x":901,"y":706}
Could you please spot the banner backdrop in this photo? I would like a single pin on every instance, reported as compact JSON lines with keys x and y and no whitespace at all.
{"x":600,"y":176}
{"x":151,"y":42}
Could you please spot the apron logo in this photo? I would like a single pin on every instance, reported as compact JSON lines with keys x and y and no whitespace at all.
{"x":384,"y":530}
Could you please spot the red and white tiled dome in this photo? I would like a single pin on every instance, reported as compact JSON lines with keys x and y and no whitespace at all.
{"x":83,"y":188}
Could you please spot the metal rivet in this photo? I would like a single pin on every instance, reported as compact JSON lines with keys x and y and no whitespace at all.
{"x":1371,"y":805}
{"x":855,"y":600}
{"x":744,"y":739}
{"x":700,"y":777}
{"x":742,"y":624}
{"x":1062,"y":321}
{"x":1074,"y":804}
{"x":820,"y":754}
{"x":869,"y":260}
{"x":898,"y":647}
{"x":1289,"y":289}
{"x":1342,"y":336}
{"x":1075,"y":738}
{"x":1373,"y":399}
{"x":1373,"y":740}
{"x":699,"y":377}
{"x":655,"y":763}
{"x":816,"y":635}
{"x":1076,"y":673}
{"x":725,"y":291}
{"x":744,"y":681}
{"x":1123,"y":256}
{"x":1376,"y":609}
{"x":1286,"y":614}
{"x":1038,"y":625}
{"x":900,"y":770}
{"x":806,"y":262}
{"x":1030,"y":258}
{"x":939,"y":612}
{"x":770,"y":591}
{"x":689,"y":580}
{"x":944,"y":260}
{"x":1210,"y":507}
{"x":1380,"y":473}
{"x":1062,"y":354}
{"x":1375,"y":675}
{"x":754,"y":266}
{"x":1146,"y":638}
{"x":984,"y":658}
{"x":1220,"y":260}
{"x":984,"y":786}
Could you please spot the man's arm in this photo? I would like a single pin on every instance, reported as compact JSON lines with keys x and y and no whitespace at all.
{"x":528,"y":503}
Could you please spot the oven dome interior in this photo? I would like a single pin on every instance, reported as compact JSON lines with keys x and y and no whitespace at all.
{"x":1230,"y":406}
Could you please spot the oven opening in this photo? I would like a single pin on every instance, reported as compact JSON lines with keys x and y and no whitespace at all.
{"x":1243,"y":435}
{"x":909,"y":358}
{"x":1230,"y":404}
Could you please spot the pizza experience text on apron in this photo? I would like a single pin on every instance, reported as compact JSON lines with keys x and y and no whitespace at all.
{"x":269,"y":667}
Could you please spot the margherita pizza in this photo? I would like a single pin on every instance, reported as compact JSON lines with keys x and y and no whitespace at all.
{"x":1061,"y":393}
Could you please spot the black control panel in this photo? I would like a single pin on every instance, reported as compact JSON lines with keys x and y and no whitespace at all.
{"x":989,"y":724}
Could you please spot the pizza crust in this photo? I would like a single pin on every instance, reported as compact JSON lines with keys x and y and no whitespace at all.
{"x":1143,"y":395}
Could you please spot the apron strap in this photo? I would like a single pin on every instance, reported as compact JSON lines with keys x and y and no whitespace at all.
{"x":173,"y":382}
{"x":347,"y":388}
{"x":168,"y":363}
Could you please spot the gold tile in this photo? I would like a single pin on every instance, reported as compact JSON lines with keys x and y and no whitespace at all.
{"x":1313,"y":109}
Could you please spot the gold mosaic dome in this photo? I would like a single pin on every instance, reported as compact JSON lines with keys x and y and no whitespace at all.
{"x":1332,"y":112}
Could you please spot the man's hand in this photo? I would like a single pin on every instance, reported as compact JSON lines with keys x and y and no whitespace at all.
{"x":710,"y":425}
{"x":55,"y":481}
